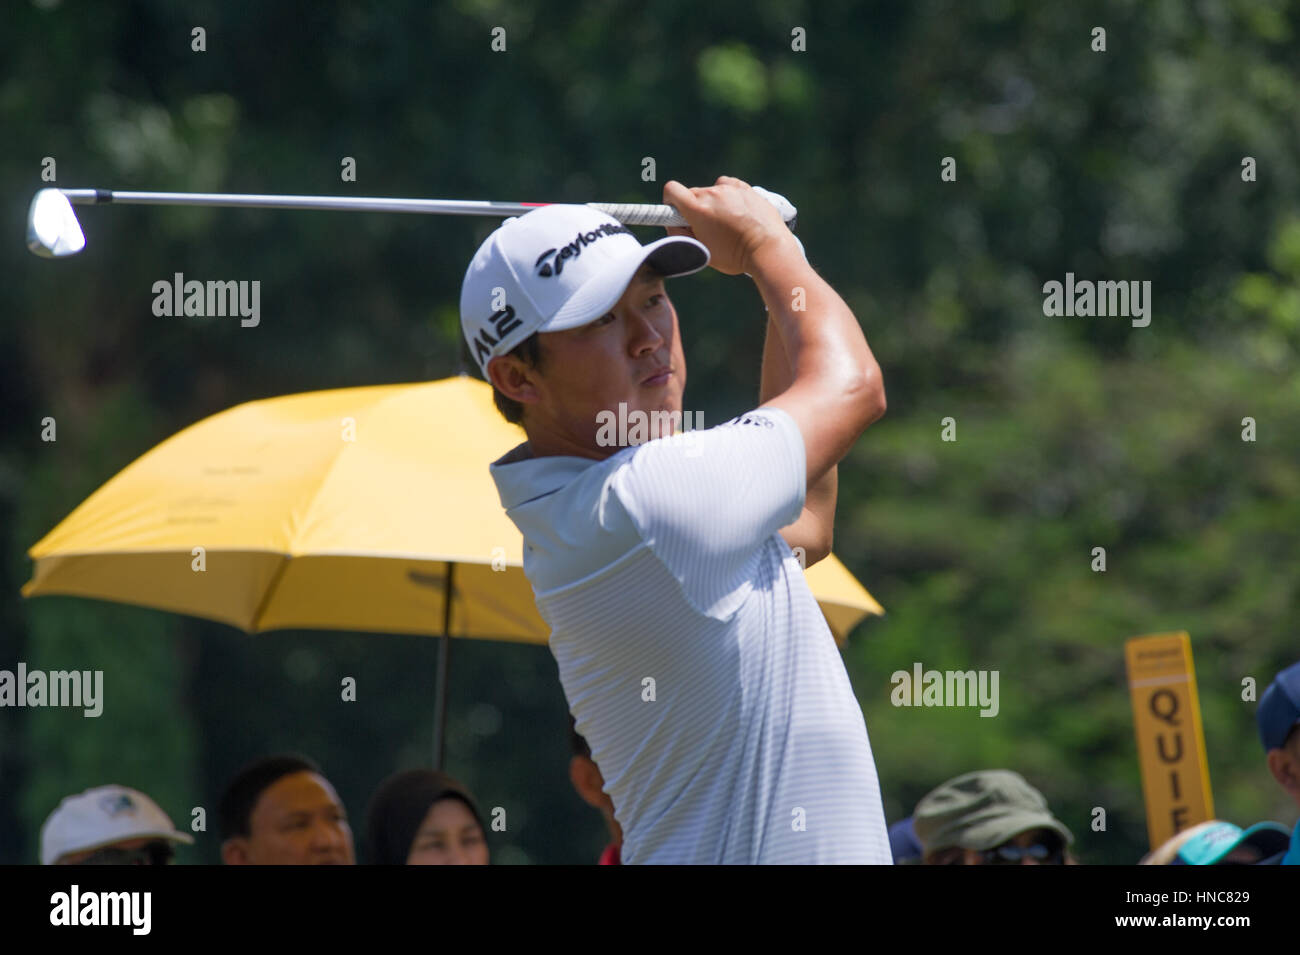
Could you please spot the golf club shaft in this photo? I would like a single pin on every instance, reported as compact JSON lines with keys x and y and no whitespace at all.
{"x":627,"y":213}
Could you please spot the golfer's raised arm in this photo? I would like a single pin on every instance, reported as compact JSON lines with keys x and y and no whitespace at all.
{"x":836,"y":391}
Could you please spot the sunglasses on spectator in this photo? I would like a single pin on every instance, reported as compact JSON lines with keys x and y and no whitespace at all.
{"x":1009,"y":854}
{"x":154,"y":853}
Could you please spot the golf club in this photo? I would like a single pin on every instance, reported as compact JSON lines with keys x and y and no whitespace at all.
{"x":54,"y":232}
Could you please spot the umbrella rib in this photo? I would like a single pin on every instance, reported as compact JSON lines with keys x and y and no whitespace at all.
{"x":267,"y":594}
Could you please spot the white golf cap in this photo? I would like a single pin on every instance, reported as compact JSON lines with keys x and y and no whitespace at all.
{"x":554,"y":268}
{"x":100,"y":817}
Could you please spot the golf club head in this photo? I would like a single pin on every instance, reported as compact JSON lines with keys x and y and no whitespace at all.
{"x":52,"y":227}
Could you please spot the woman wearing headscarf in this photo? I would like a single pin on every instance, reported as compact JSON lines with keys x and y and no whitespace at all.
{"x":424,"y":817}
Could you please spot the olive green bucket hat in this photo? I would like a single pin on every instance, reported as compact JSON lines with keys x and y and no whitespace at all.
{"x":981,"y":810}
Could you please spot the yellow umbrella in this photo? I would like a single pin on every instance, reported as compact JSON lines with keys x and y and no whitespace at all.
{"x":843,"y":600}
{"x":330,"y":510}
{"x":364,"y":509}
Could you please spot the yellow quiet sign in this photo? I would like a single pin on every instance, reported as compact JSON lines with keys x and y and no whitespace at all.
{"x":1170,"y":741}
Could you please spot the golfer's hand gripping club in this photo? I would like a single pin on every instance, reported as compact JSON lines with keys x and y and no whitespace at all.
{"x":648,"y":213}
{"x":734,"y":220}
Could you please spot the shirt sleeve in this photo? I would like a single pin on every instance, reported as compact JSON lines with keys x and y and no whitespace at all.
{"x":707,"y":501}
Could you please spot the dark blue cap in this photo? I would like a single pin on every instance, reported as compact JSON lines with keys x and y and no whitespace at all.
{"x":1279,"y":708}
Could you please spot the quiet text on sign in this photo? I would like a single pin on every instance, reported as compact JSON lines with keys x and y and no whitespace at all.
{"x":1171,"y":744}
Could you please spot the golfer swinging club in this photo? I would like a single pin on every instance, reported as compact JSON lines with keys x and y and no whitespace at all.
{"x":695,"y":659}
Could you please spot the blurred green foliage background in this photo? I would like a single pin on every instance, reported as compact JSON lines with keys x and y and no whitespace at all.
{"x":1073,"y":433}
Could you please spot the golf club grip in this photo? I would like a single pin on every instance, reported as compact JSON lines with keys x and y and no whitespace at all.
{"x":641,"y":213}
{"x":649,"y":213}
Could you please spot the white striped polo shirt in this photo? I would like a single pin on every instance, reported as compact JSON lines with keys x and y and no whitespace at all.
{"x":694,"y":658}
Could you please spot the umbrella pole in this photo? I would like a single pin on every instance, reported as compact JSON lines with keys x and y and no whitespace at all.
{"x":444,"y":661}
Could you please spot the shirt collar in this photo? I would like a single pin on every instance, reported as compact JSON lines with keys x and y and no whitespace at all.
{"x":521,"y":478}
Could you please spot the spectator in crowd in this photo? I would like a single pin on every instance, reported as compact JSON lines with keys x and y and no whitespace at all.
{"x":109,"y":825}
{"x":990,"y":817}
{"x":1221,"y":843}
{"x":424,"y":817}
{"x":903,"y":844}
{"x":280,"y":810}
{"x":590,"y":785}
{"x":1278,"y":718}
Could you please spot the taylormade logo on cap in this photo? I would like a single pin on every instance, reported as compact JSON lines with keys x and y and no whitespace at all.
{"x":555,"y":265}
{"x":555,"y":268}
